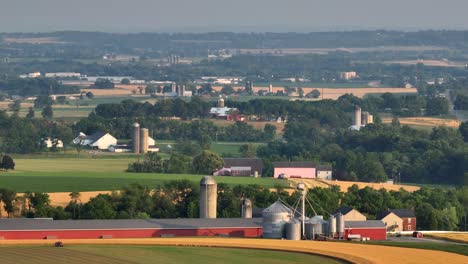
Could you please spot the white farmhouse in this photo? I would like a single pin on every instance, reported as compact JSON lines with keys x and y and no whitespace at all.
{"x":98,"y":140}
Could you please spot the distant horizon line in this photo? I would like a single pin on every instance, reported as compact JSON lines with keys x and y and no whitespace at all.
{"x":244,"y":29}
{"x":234,"y":32}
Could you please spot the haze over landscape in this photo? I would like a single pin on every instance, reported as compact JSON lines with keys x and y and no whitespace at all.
{"x":201,"y":131}
{"x":237,"y":16}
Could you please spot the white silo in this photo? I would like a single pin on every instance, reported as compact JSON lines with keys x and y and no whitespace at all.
{"x":208,"y":197}
{"x":332,"y":226}
{"x":136,"y":138}
{"x":340,"y":225}
{"x":246,"y":208}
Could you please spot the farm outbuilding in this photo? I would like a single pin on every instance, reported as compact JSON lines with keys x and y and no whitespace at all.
{"x":350,"y":214}
{"x":294,"y":169}
{"x":134,"y":228}
{"x":372,"y":229}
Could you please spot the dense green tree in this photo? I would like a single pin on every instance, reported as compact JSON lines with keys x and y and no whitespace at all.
{"x":31,"y":113}
{"x":47,"y":112}
{"x":102,"y":83}
{"x":207,"y":162}
{"x":7,"y":163}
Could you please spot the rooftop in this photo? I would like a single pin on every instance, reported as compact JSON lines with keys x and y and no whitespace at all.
{"x":365,"y":224}
{"x":179,"y":223}
{"x":294,"y":164}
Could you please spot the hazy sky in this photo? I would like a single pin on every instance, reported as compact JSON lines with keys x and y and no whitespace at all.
{"x":234,"y":15}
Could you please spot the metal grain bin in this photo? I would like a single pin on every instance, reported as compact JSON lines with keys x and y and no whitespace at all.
{"x":293,"y":230}
{"x":274,"y":218}
{"x":331,"y":226}
{"x":340,"y":225}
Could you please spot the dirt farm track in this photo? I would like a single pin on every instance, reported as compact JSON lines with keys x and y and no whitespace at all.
{"x":355,"y":253}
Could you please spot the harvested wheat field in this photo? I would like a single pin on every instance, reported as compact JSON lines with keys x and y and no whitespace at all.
{"x":425,"y":121}
{"x":44,"y":40}
{"x":433,"y":63}
{"x":108,"y":92}
{"x":355,"y":253}
{"x":344,"y":185}
{"x":334,"y":93}
{"x":457,"y":237}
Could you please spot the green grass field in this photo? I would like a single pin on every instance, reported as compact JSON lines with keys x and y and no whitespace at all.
{"x":96,"y":174}
{"x":458,"y":249}
{"x":151,"y":254}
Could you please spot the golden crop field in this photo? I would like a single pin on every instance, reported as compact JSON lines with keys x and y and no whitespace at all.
{"x":344,"y":185}
{"x":335,"y":93}
{"x":425,"y":121}
{"x":355,"y":253}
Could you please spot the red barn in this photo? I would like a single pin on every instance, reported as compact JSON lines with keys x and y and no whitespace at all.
{"x":133,"y":228}
{"x":373,"y":229}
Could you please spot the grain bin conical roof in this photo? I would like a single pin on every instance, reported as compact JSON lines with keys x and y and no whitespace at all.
{"x":276,"y":208}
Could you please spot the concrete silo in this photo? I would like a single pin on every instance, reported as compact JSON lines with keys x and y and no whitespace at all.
{"x":246,"y":208}
{"x":136,"y":138}
{"x":208,"y":197}
{"x":357,"y":116}
{"x":274,"y":219}
{"x":221,"y":102}
{"x":144,"y":140}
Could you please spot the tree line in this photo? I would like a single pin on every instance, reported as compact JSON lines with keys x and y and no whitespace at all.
{"x":435,"y":209}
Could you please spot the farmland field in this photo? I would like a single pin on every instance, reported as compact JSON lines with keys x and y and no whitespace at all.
{"x":353,"y":252}
{"x":147,"y":254}
{"x":425,"y":121}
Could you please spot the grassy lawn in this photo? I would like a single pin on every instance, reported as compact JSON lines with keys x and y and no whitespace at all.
{"x":458,"y":249}
{"x":96,"y":174}
{"x":100,"y":181}
{"x":152,"y":254}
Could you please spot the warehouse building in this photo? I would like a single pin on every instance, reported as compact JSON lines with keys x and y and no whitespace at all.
{"x":133,"y":228}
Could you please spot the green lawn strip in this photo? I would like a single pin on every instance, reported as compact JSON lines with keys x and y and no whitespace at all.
{"x":458,"y":249}
{"x":94,"y":181}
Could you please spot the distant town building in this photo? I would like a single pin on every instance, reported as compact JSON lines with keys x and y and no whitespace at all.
{"x":348,"y":75}
{"x":62,"y":75}
{"x":31,"y":75}
{"x":49,"y":143}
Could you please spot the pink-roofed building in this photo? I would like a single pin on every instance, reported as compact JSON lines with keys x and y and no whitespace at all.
{"x":295,"y":169}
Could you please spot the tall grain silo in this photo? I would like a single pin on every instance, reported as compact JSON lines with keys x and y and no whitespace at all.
{"x":332,"y":226}
{"x":136,"y":138}
{"x":274,"y":219}
{"x":364,"y":117}
{"x":208,"y":197}
{"x":144,"y":140}
{"x":340,"y":225}
{"x":246,"y":208}
{"x":357,"y":116}
{"x":221,"y":102}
